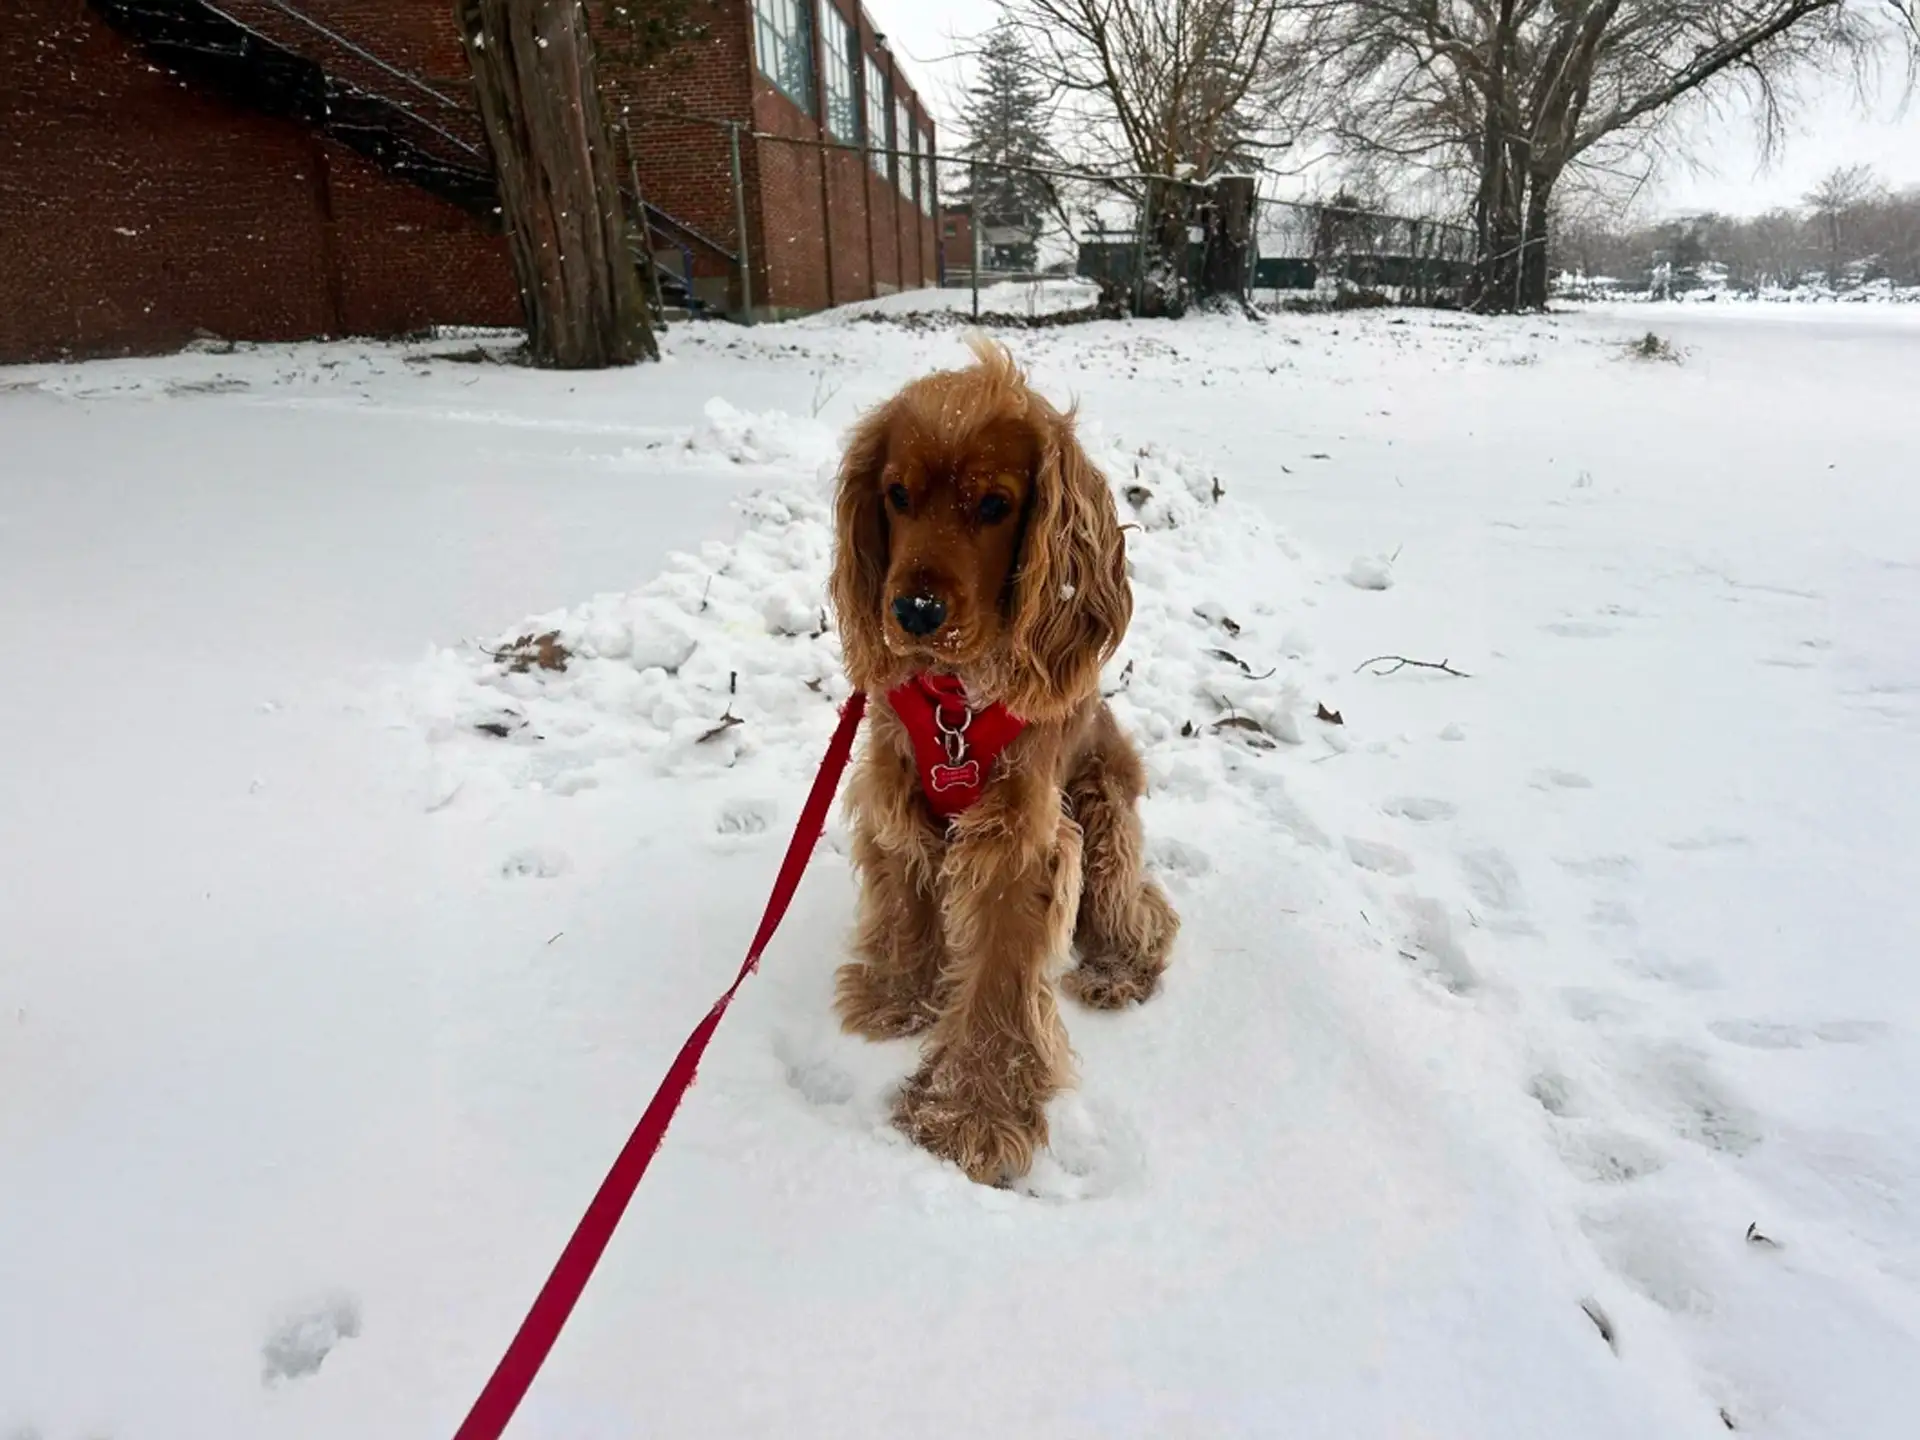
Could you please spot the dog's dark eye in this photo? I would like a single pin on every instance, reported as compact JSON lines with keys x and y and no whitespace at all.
{"x":995,"y":508}
{"x":898,"y":497}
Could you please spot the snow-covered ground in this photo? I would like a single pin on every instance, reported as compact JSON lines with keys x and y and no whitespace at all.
{"x":1027,"y":298}
{"x":1502,"y":1012}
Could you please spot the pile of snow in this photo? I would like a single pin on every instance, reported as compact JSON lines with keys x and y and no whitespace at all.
{"x":729,"y":657}
{"x":1031,"y":298}
{"x":1371,"y":572}
{"x":740,"y":437}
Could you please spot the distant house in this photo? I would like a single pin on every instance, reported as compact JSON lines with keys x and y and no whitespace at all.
{"x":1004,"y":249}
{"x":285,"y":169}
{"x":956,"y":237}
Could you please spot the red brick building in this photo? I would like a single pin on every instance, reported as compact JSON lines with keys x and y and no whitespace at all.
{"x":831,"y":215}
{"x":284,"y":169}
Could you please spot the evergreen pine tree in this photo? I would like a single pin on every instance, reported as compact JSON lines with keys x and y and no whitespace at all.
{"x":1005,"y":119}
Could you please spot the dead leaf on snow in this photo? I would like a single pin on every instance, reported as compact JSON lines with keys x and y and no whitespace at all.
{"x":727,"y":722}
{"x":1245,"y":669}
{"x":544,"y":651}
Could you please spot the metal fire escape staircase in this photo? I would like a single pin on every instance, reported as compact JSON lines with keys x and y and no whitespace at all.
{"x":254,"y":53}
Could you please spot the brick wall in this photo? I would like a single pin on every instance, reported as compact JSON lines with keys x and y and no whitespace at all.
{"x":835,"y":229}
{"x":793,"y":215}
{"x":822,"y":228}
{"x":135,"y":211}
{"x":684,"y":166}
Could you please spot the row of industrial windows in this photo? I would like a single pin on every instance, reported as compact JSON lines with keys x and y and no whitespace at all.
{"x":783,"y":41}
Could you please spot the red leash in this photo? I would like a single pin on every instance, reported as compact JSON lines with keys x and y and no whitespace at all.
{"x":517,"y":1368}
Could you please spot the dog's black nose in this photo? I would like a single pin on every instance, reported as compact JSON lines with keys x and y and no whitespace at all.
{"x":920,"y":614}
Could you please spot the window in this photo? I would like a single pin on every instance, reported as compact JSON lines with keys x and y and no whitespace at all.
{"x":783,"y":39}
{"x":876,"y":115}
{"x":902,"y":138}
{"x":843,"y":102}
{"x":910,"y":166}
{"x":928,"y":187}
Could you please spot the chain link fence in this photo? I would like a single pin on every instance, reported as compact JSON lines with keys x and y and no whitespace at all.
{"x":758,"y":225}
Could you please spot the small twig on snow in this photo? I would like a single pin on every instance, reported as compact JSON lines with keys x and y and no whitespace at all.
{"x":1401,"y":662}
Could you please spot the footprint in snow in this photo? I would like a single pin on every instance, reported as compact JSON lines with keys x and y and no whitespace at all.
{"x":1092,"y":1152}
{"x":1685,"y":974}
{"x":1607,"y":1157}
{"x":1612,"y":915}
{"x":1600,"y":867}
{"x":1553,"y":1092}
{"x":1380,"y":859}
{"x":818,"y":1080}
{"x":535,"y":862}
{"x":1640,"y":1243}
{"x":1492,"y":880}
{"x":739,"y":820}
{"x":300,"y":1344}
{"x":1580,"y":629}
{"x":1696,"y":1103}
{"x":1421,"y":809}
{"x":846,"y":1081}
{"x":1176,"y":857}
{"x":1560,"y":780}
{"x":1437,"y":952}
{"x":1599,"y":1007}
{"x":1772,"y":1035}
{"x":1709,"y":840}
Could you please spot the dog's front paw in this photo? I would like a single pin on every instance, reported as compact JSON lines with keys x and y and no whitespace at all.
{"x":1109,"y":984}
{"x":878,"y":1004}
{"x":980,"y":1125}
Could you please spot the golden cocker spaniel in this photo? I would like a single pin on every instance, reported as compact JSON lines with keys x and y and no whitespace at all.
{"x":980,"y":584}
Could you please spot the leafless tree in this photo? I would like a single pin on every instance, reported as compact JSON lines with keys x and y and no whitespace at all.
{"x":535,"y":84}
{"x":1179,"y":92}
{"x":1835,"y":203}
{"x":1512,"y":93}
{"x":1878,"y":238}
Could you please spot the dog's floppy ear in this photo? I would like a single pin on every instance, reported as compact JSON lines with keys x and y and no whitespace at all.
{"x":860,"y":551}
{"x":1071,"y":601}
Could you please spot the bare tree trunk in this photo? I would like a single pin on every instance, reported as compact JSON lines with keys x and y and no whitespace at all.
{"x":1533,"y":260}
{"x":1228,"y":269}
{"x":533,"y":76}
{"x":1495,"y":287}
{"x":1499,"y":239}
{"x":1162,"y":288}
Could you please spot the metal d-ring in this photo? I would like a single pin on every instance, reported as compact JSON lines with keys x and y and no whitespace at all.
{"x":953,"y":739}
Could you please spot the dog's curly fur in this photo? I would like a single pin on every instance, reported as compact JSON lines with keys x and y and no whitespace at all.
{"x":963,"y":926}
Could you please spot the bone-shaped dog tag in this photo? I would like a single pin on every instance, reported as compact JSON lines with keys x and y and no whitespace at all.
{"x":948,"y":777}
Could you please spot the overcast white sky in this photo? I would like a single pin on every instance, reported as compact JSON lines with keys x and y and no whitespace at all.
{"x":1834,"y":130}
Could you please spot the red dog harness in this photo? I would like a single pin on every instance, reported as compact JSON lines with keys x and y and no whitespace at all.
{"x":954,"y":745}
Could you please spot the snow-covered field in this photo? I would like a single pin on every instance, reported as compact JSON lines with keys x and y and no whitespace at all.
{"x":1573,"y":995}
